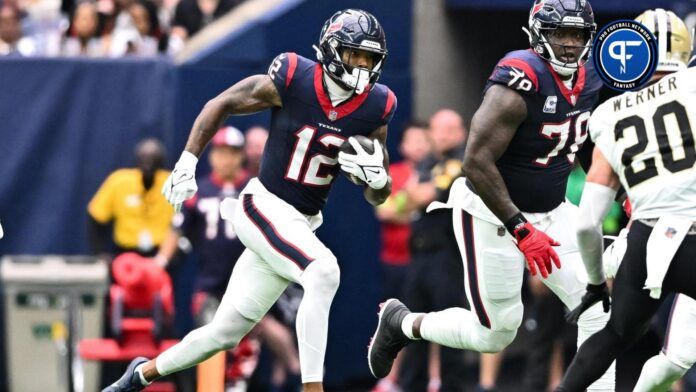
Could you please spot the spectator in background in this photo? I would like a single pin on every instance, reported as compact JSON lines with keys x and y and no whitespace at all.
{"x":253,"y":150}
{"x":11,"y":41}
{"x":396,"y":225}
{"x":212,"y":238}
{"x":83,"y":37}
{"x":435,"y":278}
{"x":192,"y":15}
{"x":130,"y":199}
{"x":143,"y":39}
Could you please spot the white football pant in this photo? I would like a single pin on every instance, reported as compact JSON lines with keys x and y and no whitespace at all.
{"x":493,"y":271}
{"x":281,"y":248}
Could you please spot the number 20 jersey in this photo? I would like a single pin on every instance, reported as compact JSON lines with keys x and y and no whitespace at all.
{"x":299,"y":161}
{"x":648,"y":138}
{"x":537,"y":162}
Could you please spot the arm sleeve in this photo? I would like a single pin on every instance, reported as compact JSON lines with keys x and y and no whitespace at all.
{"x":101,"y":207}
{"x":594,"y":206}
{"x":281,"y":71}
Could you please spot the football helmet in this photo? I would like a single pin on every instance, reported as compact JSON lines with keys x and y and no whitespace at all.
{"x":673,"y":39}
{"x":548,"y":15}
{"x":352,"y":29}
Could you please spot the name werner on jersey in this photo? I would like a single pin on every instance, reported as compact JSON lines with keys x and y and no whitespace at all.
{"x":662,"y":87}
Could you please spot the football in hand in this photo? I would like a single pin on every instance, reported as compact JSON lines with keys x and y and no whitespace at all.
{"x":369,"y":148}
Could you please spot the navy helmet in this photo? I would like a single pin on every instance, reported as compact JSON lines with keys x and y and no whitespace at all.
{"x":548,"y":15}
{"x":352,"y":29}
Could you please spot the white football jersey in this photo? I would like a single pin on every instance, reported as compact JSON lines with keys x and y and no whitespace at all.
{"x":648,"y":138}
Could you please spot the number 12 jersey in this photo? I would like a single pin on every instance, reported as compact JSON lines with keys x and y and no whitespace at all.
{"x":299,"y":161}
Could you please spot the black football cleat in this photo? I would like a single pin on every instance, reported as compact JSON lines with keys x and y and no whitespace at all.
{"x":130,"y":381}
{"x":388,"y":339}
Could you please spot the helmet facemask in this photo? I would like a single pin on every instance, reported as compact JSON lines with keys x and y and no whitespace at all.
{"x":542,"y":39}
{"x":550,"y":17}
{"x":340,"y":69}
{"x":345,"y":33}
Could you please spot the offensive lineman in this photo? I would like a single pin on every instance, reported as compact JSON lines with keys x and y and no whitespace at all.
{"x":315,"y":108}
{"x":645,"y":142}
{"x":523,"y":142}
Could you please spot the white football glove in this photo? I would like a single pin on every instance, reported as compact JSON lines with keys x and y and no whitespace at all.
{"x":614,"y":253}
{"x":369,"y":168}
{"x":181,"y":183}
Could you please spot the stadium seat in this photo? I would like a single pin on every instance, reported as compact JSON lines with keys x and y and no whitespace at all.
{"x":142,"y":305}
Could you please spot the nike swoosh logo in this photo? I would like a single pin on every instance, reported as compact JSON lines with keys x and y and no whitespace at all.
{"x":375,"y":171}
{"x":182,"y":178}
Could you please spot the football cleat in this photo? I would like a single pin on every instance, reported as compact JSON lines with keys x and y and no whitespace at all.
{"x":130,"y":381}
{"x":388,"y":339}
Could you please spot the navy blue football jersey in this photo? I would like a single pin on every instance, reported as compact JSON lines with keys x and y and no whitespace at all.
{"x":212,"y":237}
{"x":299,"y":161}
{"x":538,"y":161}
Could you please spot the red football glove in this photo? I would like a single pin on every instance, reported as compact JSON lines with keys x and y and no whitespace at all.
{"x":537,"y":249}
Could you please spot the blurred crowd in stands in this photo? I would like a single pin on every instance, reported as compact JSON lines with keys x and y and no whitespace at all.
{"x":103,"y":28}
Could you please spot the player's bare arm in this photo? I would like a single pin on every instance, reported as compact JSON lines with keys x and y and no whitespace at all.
{"x":493,"y":126}
{"x":378,"y":196}
{"x":250,"y":95}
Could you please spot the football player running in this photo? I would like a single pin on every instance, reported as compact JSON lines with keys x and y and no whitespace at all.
{"x":645,"y":142}
{"x":522,"y":146}
{"x":315,"y":106}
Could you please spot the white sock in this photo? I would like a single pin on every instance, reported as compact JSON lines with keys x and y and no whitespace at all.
{"x":407,"y":324}
{"x":139,"y":370}
{"x":658,"y":374}
{"x":320,"y":282}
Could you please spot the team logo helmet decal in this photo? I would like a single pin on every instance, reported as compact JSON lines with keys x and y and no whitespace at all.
{"x":352,"y":29}
{"x":546,"y":16}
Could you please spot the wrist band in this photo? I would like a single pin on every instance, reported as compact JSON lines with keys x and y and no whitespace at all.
{"x":515,"y":222}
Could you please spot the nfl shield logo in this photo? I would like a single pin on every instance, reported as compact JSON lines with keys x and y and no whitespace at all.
{"x":332,"y":115}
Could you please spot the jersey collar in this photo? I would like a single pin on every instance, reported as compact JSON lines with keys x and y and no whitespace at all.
{"x":343,"y":109}
{"x":572,"y":96}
